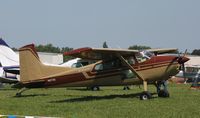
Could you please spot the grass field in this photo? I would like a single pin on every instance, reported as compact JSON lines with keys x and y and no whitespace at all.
{"x":109,"y":102}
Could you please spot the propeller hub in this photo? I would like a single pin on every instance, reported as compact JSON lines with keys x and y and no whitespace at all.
{"x":182,"y":60}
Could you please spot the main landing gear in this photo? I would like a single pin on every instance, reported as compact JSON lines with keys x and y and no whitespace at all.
{"x":126,"y":88}
{"x":162,"y":89}
{"x":146,"y":94}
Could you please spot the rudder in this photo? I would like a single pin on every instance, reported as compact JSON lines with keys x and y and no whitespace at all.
{"x":31,"y":68}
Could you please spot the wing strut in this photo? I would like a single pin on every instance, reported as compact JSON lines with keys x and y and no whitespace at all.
{"x":145,"y":95}
{"x":129,"y":66}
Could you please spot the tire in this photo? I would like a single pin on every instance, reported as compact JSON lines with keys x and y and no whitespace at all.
{"x":126,"y":88}
{"x":163,"y":94}
{"x":145,"y":95}
{"x":18,"y":95}
{"x":95,"y":88}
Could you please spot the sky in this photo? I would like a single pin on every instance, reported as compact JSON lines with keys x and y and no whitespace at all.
{"x":88,"y":23}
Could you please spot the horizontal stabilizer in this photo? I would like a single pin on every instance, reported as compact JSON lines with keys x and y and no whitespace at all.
{"x":8,"y":80}
{"x":12,"y":69}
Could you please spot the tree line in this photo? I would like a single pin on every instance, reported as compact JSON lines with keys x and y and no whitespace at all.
{"x":52,"y":49}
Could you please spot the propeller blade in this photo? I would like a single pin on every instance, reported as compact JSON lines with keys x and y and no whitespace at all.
{"x":184,"y":55}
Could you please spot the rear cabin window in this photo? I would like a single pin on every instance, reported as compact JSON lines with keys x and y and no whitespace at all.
{"x":108,"y":65}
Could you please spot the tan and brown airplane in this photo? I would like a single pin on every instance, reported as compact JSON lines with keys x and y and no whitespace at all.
{"x":113,"y":67}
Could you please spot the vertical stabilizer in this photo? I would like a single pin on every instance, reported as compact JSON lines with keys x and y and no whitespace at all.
{"x":31,"y":68}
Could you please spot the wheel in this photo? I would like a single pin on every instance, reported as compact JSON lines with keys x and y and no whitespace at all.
{"x":163,"y":93}
{"x":126,"y":88}
{"x":18,"y":95}
{"x":95,"y":88}
{"x":145,"y":95}
{"x":1,"y":85}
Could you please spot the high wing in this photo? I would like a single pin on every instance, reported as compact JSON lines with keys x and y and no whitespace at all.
{"x":99,"y":53}
{"x":162,"y":50}
{"x":105,"y":54}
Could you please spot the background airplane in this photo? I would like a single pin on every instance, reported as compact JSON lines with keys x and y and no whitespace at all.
{"x":190,"y":74}
{"x":115,"y":67}
{"x":9,"y":64}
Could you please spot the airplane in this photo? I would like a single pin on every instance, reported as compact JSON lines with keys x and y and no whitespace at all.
{"x":113,"y":67}
{"x":9,"y":64}
{"x":191,"y":74}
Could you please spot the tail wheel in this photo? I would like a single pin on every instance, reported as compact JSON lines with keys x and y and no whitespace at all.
{"x":145,"y":95}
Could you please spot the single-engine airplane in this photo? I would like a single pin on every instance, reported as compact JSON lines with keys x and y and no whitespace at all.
{"x":115,"y":67}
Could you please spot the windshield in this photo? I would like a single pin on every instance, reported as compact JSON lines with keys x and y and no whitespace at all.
{"x":143,"y":56}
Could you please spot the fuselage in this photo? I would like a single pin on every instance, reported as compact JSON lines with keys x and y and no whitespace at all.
{"x":112,"y":73}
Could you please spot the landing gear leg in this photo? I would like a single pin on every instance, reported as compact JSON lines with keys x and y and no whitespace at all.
{"x":146,"y":94}
{"x":19,"y":93}
{"x":162,"y":92}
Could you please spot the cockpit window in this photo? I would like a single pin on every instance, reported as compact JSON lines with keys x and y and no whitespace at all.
{"x":147,"y":54}
{"x":143,"y":56}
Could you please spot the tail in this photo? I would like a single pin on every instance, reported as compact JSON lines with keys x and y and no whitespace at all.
{"x":2,"y":42}
{"x":31,"y":68}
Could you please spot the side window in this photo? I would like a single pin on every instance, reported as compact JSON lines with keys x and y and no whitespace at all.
{"x":128,"y":74}
{"x":0,"y":65}
{"x":76,"y":65}
{"x":85,"y":63}
{"x":108,"y":65}
{"x":131,"y":60}
{"x":98,"y":67}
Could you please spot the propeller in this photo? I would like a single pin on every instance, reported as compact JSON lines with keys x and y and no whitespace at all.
{"x":181,"y":61}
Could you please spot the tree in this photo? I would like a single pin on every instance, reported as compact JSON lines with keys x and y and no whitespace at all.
{"x":66,"y":49}
{"x":14,"y":49}
{"x":196,"y":52}
{"x":48,"y":48}
{"x":52,"y":49}
{"x":138,"y":47}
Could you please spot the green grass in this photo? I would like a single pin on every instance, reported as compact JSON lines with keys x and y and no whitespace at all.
{"x":110,"y":102}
